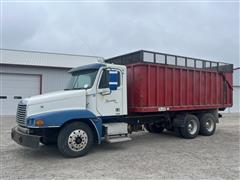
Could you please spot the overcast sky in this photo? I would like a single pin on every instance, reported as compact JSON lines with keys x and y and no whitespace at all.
{"x":204,"y":30}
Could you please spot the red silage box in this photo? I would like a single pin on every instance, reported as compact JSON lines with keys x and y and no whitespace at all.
{"x":162,"y":82}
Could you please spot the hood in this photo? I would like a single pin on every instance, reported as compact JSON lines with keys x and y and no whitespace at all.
{"x":56,"y":101}
{"x":53,"y":96}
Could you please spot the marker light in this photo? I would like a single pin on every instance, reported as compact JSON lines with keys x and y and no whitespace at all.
{"x":39,"y":122}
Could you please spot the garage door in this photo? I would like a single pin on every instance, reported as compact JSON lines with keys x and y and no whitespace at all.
{"x":15,"y":87}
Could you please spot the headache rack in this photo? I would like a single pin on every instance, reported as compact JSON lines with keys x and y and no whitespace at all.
{"x":143,"y":56}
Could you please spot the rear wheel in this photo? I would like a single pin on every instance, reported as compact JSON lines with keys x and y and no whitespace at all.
{"x":207,"y":124}
{"x":191,"y":127}
{"x":75,"y":139}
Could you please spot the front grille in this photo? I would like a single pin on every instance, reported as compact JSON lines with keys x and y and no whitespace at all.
{"x":21,"y":114}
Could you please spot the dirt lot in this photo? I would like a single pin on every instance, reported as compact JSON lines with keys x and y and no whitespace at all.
{"x":147,"y":156}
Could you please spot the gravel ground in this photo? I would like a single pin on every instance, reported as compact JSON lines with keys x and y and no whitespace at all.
{"x":147,"y":156}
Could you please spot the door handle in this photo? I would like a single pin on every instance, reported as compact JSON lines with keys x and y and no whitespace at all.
{"x":111,"y":100}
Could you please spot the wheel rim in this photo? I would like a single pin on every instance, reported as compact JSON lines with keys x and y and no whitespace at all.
{"x":209,"y":125}
{"x":77,"y":140}
{"x":192,"y":127}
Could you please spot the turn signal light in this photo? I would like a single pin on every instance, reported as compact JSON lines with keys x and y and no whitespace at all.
{"x":39,"y":122}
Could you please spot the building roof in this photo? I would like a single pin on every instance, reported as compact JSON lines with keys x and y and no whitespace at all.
{"x":45,"y":59}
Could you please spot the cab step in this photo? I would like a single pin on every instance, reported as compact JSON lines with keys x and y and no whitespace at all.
{"x":118,"y":139}
{"x":116,"y":132}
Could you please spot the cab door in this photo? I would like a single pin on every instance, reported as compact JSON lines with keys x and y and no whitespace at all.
{"x":109,"y":93}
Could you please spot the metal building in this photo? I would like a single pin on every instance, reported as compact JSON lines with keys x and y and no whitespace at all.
{"x":236,"y":92}
{"x":28,"y":73}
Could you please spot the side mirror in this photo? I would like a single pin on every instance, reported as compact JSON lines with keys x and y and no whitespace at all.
{"x":113,"y":80}
{"x":85,"y":86}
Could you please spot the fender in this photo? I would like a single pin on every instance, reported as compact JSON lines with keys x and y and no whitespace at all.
{"x":56,"y":119}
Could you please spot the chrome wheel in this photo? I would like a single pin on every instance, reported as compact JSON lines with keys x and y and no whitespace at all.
{"x":192,"y":127}
{"x":77,"y":140}
{"x":209,"y":125}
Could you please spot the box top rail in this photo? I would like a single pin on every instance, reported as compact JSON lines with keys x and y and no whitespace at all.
{"x":170,"y":59}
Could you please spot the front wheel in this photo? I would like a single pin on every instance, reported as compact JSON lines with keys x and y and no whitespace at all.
{"x":75,"y":139}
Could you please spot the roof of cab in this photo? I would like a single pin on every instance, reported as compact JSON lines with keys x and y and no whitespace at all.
{"x":89,"y":66}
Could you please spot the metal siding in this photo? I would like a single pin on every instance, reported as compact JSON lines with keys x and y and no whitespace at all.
{"x":30,"y":58}
{"x":17,"y":85}
{"x":236,"y":77}
{"x":236,"y":101}
{"x":53,"y":79}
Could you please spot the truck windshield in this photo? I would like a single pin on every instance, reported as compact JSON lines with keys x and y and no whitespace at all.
{"x":83,"y":79}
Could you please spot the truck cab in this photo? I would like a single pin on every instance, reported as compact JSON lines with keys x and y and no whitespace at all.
{"x":73,"y":117}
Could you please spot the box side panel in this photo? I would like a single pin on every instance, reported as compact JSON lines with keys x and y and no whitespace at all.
{"x":153,"y":88}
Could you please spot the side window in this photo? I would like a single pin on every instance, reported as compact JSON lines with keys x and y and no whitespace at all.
{"x":104,"y":82}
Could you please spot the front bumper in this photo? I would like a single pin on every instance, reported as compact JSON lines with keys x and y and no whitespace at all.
{"x":21,"y":136}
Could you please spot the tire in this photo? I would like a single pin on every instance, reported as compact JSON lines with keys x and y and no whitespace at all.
{"x":75,"y":139}
{"x":191,"y":127}
{"x":154,"y":128}
{"x":207,"y":124}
